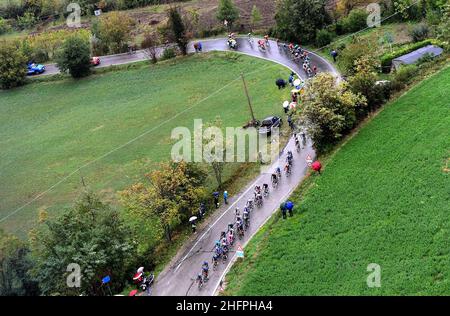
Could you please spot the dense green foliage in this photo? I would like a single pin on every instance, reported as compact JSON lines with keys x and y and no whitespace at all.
{"x":298,"y":20}
{"x":75,"y":56}
{"x":329,"y":110}
{"x":90,"y":235}
{"x":14,"y":266}
{"x":177,"y":29}
{"x":382,"y":198}
{"x":12,"y":66}
{"x":227,"y":11}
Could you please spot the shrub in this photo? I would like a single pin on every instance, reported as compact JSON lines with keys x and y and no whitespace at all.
{"x":26,"y":21}
{"x":323,"y":38}
{"x":13,"y":65}
{"x":168,"y":53}
{"x":419,"y":33}
{"x":355,"y":21}
{"x":74,"y":56}
{"x":4,"y":26}
{"x":403,"y":76}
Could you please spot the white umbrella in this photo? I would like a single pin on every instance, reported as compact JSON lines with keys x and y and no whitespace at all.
{"x":285,"y":104}
{"x":297,"y":82}
{"x":193,"y":218}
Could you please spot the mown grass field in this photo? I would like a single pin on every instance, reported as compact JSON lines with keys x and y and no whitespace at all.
{"x":50,"y":129}
{"x":383,"y":198}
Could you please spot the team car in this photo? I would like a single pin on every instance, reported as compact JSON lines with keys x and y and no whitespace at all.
{"x":35,"y":69}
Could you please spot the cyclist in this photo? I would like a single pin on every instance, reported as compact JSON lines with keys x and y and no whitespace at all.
{"x":287,"y":169}
{"x":246,"y":217}
{"x":266,"y":189}
{"x":274,"y":179}
{"x":258,"y":189}
{"x":261,"y":44}
{"x":297,"y":142}
{"x":237,"y":212}
{"x":250,"y":204}
{"x":259,"y":200}
{"x":266,"y":39}
{"x":250,"y":37}
{"x":290,"y":157}
{"x":205,"y":270}
{"x":303,"y":137}
{"x":199,"y":280}
{"x":231,"y":237}
{"x":215,"y":260}
{"x":278,"y":172}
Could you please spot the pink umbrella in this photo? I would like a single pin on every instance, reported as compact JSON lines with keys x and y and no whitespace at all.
{"x":316,"y":166}
{"x":133,"y":293}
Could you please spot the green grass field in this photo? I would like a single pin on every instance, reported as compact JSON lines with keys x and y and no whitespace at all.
{"x":50,"y":129}
{"x":383,"y":198}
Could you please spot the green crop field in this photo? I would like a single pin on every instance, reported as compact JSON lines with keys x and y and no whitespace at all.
{"x":50,"y":129}
{"x":383,"y":198}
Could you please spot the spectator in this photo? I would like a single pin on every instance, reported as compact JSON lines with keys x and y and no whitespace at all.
{"x":290,"y":207}
{"x":216,"y":199}
{"x":281,"y":84}
{"x":283,"y":210}
{"x":334,"y":54}
{"x":225,"y":197}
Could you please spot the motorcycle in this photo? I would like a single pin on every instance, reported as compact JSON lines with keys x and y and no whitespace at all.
{"x":144,"y":282}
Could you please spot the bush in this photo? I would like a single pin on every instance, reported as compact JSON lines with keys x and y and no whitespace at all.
{"x":168,"y":53}
{"x":403,"y":76}
{"x":323,"y":38}
{"x":419,"y":33}
{"x":13,"y":65}
{"x":74,"y":56}
{"x":26,"y":21}
{"x":4,"y":26}
{"x":355,"y":21}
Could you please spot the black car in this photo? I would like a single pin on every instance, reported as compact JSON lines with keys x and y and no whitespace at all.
{"x":269,"y":123}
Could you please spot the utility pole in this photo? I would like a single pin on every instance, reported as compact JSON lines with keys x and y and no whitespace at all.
{"x":248,"y":99}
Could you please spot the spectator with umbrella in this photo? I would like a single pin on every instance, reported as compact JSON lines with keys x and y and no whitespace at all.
{"x":316,"y":166}
{"x":290,"y":207}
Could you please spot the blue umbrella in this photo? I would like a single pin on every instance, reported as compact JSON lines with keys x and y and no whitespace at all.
{"x":289,"y":205}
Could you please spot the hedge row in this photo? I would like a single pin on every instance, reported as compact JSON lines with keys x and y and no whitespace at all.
{"x":386,"y":59}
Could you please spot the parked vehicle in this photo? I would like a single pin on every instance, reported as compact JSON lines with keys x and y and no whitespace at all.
{"x":35,"y":69}
{"x":95,"y":61}
{"x":269,"y":124}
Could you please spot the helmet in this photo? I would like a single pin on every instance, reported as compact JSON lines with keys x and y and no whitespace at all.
{"x":205,"y":263}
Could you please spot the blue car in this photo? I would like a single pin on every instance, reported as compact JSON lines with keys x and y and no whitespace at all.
{"x":35,"y":69}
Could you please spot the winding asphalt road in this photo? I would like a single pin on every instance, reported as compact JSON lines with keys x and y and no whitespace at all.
{"x":178,"y":278}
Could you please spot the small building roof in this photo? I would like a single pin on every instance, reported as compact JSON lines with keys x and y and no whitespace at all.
{"x":414,"y":56}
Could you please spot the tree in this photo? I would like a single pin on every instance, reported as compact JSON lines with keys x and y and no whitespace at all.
{"x":255,"y":17}
{"x":177,"y":29}
{"x":150,"y":44}
{"x":213,"y":148}
{"x":74,"y":56}
{"x":329,"y":110}
{"x":115,"y":30}
{"x":174,"y":190}
{"x":91,"y":235}
{"x":444,"y":26}
{"x":363,"y":82}
{"x":227,"y":11}
{"x":13,"y":66}
{"x":345,"y":6}
{"x":14,"y":266}
{"x":298,"y":20}
{"x":356,"y":49}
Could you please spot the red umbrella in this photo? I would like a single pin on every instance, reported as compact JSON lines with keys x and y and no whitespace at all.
{"x":316,"y":166}
{"x":133,"y":293}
